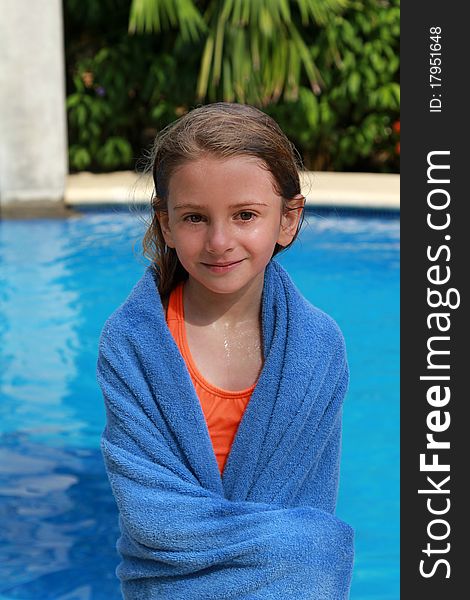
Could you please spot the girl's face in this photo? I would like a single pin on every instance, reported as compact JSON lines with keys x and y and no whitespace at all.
{"x":224,"y":220}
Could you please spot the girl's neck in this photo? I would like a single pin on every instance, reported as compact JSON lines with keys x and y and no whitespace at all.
{"x":205,"y":307}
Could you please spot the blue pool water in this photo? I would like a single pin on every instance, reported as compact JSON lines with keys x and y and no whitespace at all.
{"x":59,"y":281}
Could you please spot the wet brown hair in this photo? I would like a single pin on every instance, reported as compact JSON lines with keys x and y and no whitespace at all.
{"x":221,"y":130}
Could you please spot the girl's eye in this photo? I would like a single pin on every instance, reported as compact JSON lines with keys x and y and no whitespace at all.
{"x":245,"y":216}
{"x":193,"y":219}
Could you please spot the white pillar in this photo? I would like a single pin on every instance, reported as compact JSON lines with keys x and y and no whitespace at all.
{"x":33,"y":134}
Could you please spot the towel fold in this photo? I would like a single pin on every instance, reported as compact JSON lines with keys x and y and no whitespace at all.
{"x":264,"y":530}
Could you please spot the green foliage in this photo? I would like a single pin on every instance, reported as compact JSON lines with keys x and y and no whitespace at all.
{"x":349,"y":124}
{"x":122,"y":89}
{"x":160,"y":15}
{"x":253,"y":51}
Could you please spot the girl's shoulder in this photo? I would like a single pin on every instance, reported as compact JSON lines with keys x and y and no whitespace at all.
{"x":141,"y":306}
{"x":316,"y":324}
{"x":305,"y":320}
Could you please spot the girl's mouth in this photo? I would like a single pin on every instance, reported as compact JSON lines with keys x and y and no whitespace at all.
{"x":222,"y":268}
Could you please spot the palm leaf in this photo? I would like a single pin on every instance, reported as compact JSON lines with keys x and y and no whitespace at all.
{"x":271,"y":40}
{"x":161,"y":15}
{"x":253,"y":51}
{"x":203,"y":79}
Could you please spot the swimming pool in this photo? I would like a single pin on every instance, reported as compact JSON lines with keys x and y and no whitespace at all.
{"x":59,"y":281}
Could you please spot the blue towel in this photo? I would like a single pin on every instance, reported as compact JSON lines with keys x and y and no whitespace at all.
{"x":266,"y":528}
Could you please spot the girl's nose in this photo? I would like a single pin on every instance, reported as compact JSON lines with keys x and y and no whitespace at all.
{"x":219,"y":238}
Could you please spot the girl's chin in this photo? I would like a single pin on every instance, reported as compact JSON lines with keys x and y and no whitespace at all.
{"x":221,"y":287}
{"x":225,"y":284}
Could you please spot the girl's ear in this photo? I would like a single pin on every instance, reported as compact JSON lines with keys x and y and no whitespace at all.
{"x":290,"y":219}
{"x":163,"y":219}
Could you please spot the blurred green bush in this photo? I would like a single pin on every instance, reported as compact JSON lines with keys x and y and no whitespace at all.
{"x":122,"y":88}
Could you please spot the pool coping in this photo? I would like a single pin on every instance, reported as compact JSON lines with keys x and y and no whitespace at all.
{"x":352,"y":191}
{"x":360,"y":190}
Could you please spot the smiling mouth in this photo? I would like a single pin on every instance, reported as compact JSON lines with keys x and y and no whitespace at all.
{"x":222,"y":264}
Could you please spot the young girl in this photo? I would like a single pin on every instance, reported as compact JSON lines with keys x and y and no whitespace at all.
{"x":223,"y":386}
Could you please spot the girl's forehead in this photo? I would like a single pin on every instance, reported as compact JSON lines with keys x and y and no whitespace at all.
{"x":216,"y":164}
{"x":236,"y":175}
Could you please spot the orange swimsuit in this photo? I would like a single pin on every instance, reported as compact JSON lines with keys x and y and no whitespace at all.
{"x":223,"y":409}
